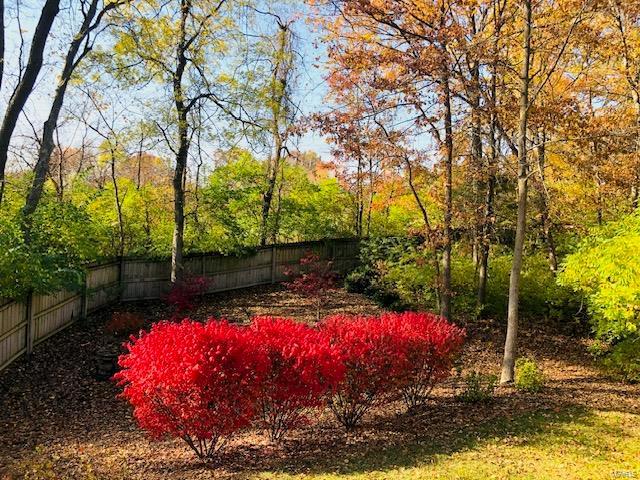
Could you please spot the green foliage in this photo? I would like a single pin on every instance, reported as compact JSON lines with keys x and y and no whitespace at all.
{"x":399,"y":272}
{"x":605,"y":270}
{"x":60,"y":244}
{"x":623,"y":360}
{"x":478,"y":387}
{"x":372,"y":276}
{"x":301,"y":209}
{"x":529,"y":376}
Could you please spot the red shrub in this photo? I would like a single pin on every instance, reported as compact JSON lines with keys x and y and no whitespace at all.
{"x":429,"y":346}
{"x":195,"y":381}
{"x":184,"y":293}
{"x":388,"y":357}
{"x":124,"y":323}
{"x":303,"y":368}
{"x":373,"y":361}
{"x":314,"y":278}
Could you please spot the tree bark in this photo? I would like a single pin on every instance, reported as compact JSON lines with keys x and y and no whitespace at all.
{"x":182,"y":154}
{"x":492,"y":162}
{"x":2,"y":41}
{"x":47,"y":143}
{"x":445,"y":306}
{"x":511,"y":342}
{"x":476,"y":154}
{"x":545,"y":220}
{"x":281,"y":73}
{"x":25,"y":86}
{"x":116,"y":193}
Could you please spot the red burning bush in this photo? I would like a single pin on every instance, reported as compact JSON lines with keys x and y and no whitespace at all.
{"x":388,"y":357}
{"x":184,"y":293}
{"x":195,"y":381}
{"x":373,"y":361}
{"x":429,"y":346}
{"x":124,"y":323}
{"x":303,"y":368}
{"x":315,"y":277}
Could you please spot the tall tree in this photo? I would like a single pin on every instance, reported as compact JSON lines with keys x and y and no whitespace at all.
{"x":80,"y":46}
{"x":511,"y":345}
{"x":280,"y":116}
{"x":179,"y":45}
{"x":27,"y":81}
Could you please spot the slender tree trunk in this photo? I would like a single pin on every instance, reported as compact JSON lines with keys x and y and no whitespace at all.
{"x":487,"y":224}
{"x":281,"y":73}
{"x":359,"y":198}
{"x":2,"y":35}
{"x":277,"y":214}
{"x":476,"y":154}
{"x":177,"y":248}
{"x":545,"y":220}
{"x":47,"y":143}
{"x":371,"y":195}
{"x":116,"y":193}
{"x":511,"y":342}
{"x":445,"y":306}
{"x":182,"y":154}
{"x":25,"y":86}
{"x":492,"y":162}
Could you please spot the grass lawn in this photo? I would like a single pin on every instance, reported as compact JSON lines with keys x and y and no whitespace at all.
{"x":572,"y":444}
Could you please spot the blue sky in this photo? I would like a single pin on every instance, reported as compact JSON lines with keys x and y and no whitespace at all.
{"x":309,"y":95}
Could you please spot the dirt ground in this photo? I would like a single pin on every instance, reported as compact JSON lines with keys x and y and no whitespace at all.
{"x":56,"y":417}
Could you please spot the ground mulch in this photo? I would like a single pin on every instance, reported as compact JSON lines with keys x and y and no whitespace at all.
{"x":56,"y":417}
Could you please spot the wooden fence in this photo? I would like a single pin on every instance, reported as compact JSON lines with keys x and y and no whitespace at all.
{"x":25,"y":324}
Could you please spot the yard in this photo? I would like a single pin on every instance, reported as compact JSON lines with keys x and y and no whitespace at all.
{"x":57,"y":421}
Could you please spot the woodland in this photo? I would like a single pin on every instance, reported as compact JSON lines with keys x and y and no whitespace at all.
{"x":486,"y":155}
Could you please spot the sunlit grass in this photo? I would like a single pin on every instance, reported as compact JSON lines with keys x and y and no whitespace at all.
{"x":572,"y":444}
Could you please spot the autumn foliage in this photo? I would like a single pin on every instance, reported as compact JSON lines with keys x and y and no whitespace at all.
{"x":202,"y":382}
{"x":195,"y":381}
{"x":303,"y":369}
{"x":389,"y":357}
{"x":429,"y":345}
{"x":184,"y":293}
{"x":313,"y":278}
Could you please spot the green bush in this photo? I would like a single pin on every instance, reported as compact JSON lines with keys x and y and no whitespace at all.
{"x":605,"y":271}
{"x":529,"y":376}
{"x":400,"y":272}
{"x":477,"y":387}
{"x":60,"y":244}
{"x":623,"y":360}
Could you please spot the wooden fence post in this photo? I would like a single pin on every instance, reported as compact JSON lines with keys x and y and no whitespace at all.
{"x":121,"y":278}
{"x":30,"y":328}
{"x":273,"y":264}
{"x":84,"y":297}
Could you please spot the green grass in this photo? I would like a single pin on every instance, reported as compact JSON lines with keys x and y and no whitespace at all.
{"x":571,"y":444}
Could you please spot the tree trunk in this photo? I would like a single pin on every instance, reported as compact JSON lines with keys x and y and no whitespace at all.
{"x":179,"y":175}
{"x":487,"y":224}
{"x":547,"y":233}
{"x":445,"y":306}
{"x":281,"y":73}
{"x":116,"y":193}
{"x":359,"y":198}
{"x":511,"y":342}
{"x":47,"y":144}
{"x":25,"y":86}
{"x":2,"y":35}
{"x":476,"y":154}
{"x":492,"y":162}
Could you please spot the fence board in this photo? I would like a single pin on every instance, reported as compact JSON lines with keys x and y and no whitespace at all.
{"x":140,"y":279}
